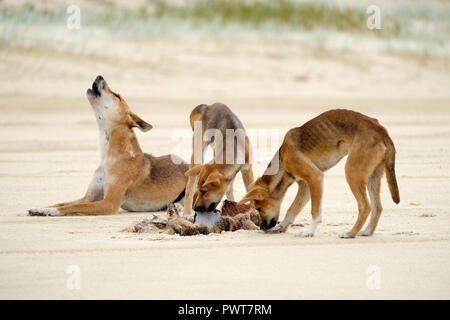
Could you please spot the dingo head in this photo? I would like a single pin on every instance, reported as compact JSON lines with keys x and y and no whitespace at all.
{"x":111,"y":108}
{"x":211,"y":187}
{"x":268,"y":207}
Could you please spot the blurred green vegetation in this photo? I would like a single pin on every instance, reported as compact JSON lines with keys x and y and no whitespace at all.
{"x":302,"y":15}
{"x":291,"y":15}
{"x":405,"y":26}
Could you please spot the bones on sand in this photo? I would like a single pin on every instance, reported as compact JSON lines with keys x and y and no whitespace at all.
{"x":232,"y":217}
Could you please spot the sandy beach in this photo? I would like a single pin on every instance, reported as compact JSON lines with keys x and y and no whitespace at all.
{"x":48,"y":152}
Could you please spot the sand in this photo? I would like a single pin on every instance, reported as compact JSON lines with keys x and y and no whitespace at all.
{"x":48,"y":151}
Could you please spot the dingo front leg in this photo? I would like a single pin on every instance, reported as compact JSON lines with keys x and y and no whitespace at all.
{"x":301,"y":199}
{"x":302,"y":167}
{"x":189,"y":196}
{"x":247,"y":176}
{"x":93,"y":193}
{"x":109,"y":205}
{"x":230,"y":191}
{"x":192,"y":175}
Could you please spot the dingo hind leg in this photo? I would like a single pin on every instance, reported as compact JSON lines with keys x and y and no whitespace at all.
{"x":362,"y":160}
{"x":373,"y":186}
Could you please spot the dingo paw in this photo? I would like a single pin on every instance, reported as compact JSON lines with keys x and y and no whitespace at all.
{"x":276,"y":229}
{"x":345,"y":235}
{"x":44,"y":212}
{"x":305,"y":232}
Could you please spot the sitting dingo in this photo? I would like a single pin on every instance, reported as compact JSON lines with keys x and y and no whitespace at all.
{"x":126,"y":177}
{"x":311,"y":149}
{"x":216,"y":178}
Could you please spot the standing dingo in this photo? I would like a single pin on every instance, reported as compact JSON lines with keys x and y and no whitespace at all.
{"x":216,"y":178}
{"x":313,"y":148}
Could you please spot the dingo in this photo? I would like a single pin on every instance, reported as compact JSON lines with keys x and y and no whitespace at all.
{"x":216,"y":178}
{"x":126,"y":177}
{"x":311,"y":149}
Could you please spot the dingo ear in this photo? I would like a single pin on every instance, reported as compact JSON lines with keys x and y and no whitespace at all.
{"x":214,"y":178}
{"x":136,"y":121}
{"x":193,"y":171}
{"x":257,"y":193}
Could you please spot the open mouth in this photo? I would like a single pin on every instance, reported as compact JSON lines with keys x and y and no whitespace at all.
{"x":94,"y":91}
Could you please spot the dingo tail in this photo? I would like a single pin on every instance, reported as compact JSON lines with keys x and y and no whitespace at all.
{"x":390,"y":170}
